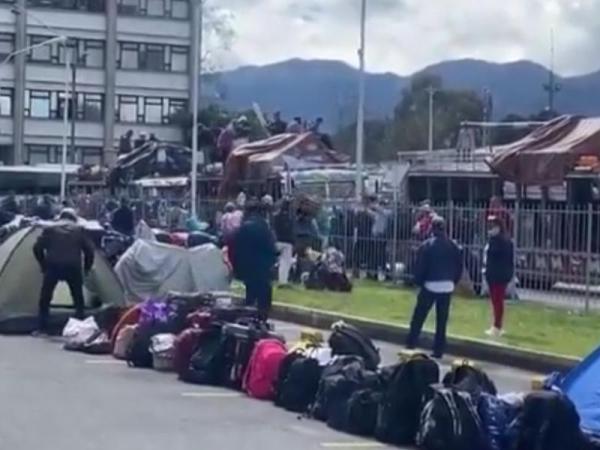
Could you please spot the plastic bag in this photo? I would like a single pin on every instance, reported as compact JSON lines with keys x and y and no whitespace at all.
{"x":79,"y":331}
{"x":162,"y":343}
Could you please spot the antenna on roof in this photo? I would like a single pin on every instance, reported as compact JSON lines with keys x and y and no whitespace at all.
{"x":552,"y":87}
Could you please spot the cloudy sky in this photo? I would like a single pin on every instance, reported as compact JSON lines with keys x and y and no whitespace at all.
{"x":407,"y":35}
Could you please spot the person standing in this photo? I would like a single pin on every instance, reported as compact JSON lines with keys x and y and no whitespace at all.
{"x":253,"y":256}
{"x":122,"y":219}
{"x":283,"y":224}
{"x":230,"y":222}
{"x":62,"y":250}
{"x":438,"y":269}
{"x":499,"y":270}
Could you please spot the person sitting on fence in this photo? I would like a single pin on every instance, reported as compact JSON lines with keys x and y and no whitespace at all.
{"x":499,"y":270}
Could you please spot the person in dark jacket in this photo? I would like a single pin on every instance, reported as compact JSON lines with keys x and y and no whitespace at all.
{"x":61,"y":251}
{"x":45,"y":209}
{"x":253,"y":257}
{"x":283,"y":223}
{"x":499,"y":270}
{"x":438,"y":269}
{"x":122,"y":220}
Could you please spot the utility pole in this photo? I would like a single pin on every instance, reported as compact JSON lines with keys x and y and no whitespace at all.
{"x":197,"y":36}
{"x":552,"y":88}
{"x":431,"y":91}
{"x":360,"y":122}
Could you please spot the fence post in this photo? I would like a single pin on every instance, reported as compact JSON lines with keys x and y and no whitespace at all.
{"x":395,"y":237}
{"x":451,"y":220}
{"x":588,"y":263}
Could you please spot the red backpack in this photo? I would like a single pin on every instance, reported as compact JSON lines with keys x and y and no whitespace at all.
{"x":263,"y":369}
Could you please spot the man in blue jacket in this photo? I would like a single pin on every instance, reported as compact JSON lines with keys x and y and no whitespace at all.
{"x":438,"y":269}
{"x":253,"y":257}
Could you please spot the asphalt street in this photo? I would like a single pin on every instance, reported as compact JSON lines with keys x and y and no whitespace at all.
{"x":57,"y":400}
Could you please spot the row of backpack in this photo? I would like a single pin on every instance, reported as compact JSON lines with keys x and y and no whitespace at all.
{"x":343,"y":384}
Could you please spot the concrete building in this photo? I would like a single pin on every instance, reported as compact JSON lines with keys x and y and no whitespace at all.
{"x":132,"y":72}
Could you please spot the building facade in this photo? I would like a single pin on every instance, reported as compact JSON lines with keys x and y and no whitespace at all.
{"x":131,"y":71}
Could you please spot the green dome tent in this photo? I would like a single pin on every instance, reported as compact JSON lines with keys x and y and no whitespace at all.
{"x":21,"y":281}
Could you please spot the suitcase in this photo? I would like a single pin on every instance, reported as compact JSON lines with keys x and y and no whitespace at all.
{"x":239,"y":341}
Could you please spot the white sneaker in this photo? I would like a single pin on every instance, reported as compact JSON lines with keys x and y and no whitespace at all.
{"x":494,"y":332}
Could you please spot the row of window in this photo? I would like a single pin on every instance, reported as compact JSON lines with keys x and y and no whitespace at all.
{"x":52,"y":154}
{"x":91,"y":53}
{"x":41,"y":104}
{"x":174,"y":9}
{"x":76,"y":5}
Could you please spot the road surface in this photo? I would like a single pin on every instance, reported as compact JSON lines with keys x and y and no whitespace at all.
{"x":57,"y":400}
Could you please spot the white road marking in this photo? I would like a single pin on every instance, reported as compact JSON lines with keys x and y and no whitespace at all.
{"x":352,"y":445}
{"x":103,"y":361}
{"x":211,"y":394}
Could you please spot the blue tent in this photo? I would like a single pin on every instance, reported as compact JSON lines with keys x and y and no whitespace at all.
{"x":582,"y":386}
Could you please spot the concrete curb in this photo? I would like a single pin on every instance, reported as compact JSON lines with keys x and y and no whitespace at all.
{"x":465,"y":347}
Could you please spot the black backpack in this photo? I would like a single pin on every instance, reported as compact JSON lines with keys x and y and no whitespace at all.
{"x":361,"y":411}
{"x":297,"y":383}
{"x":470,"y":379}
{"x":337,"y":376}
{"x":450,"y":422}
{"x":346,"y":339}
{"x":138,"y":352}
{"x":548,"y":421}
{"x":207,"y":362}
{"x":405,"y":396}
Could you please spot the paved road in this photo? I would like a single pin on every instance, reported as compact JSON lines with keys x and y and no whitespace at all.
{"x":57,"y":400}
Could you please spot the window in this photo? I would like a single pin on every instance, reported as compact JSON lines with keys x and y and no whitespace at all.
{"x":72,"y":50}
{"x":7,"y":44}
{"x":127,"y":108}
{"x":179,"y":59}
{"x":38,"y":154}
{"x":129,"y":55}
{"x":43,"y":53}
{"x":6,"y":97}
{"x":155,"y":8}
{"x":153,"y":57}
{"x":129,"y":7}
{"x":87,"y":155}
{"x":180,"y":9}
{"x":37,"y":104}
{"x":77,"y":5}
{"x":153,"y":108}
{"x":175,"y":106}
{"x":93,"y":55}
{"x":90,"y":107}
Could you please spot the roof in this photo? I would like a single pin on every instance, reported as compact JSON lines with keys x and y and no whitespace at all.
{"x":547,"y":155}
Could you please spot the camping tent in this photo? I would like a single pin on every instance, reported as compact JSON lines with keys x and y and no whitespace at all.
{"x":582,"y":386}
{"x":21,"y":281}
{"x":149,"y":269}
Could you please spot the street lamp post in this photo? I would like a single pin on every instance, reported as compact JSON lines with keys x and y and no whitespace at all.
{"x":197,"y":69}
{"x":431,"y":91}
{"x":360,"y":120}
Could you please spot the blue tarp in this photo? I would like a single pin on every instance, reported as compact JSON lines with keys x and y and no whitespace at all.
{"x":582,"y":386}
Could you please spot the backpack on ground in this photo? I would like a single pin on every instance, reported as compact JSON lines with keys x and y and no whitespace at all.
{"x":346,"y":339}
{"x":450,"y":422}
{"x":470,"y":379}
{"x":297,"y":383}
{"x":263,"y":369}
{"x":337,"y":377}
{"x":547,"y":421}
{"x":361,"y":411}
{"x":162,"y":348}
{"x":123,"y":341}
{"x":399,"y":412}
{"x":138,"y":352}
{"x":496,"y":416}
{"x":207,"y":362}
{"x":186,"y":344}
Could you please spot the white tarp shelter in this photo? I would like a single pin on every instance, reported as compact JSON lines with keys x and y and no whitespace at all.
{"x":149,"y":269}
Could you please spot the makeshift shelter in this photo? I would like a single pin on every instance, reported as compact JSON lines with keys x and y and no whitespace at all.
{"x":21,"y":281}
{"x":582,"y":386}
{"x":259,"y":160}
{"x":547,"y":155}
{"x":148,"y":269}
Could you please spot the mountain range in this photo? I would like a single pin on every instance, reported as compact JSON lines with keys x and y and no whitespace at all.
{"x":312,"y":88}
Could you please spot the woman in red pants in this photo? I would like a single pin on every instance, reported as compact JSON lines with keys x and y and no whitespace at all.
{"x":499,"y":270}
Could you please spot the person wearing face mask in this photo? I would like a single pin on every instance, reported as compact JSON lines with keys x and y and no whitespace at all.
{"x":499,"y":270}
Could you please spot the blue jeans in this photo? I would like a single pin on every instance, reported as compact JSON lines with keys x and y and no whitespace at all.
{"x":425,"y":301}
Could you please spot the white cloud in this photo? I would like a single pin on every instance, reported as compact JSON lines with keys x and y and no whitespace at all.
{"x":406,"y":35}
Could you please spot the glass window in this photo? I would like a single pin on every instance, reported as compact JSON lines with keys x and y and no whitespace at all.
{"x":179,"y":59}
{"x":129,"y":58}
{"x":39,"y":104}
{"x":38,"y":154}
{"x":154,"y":57}
{"x":127,"y":108}
{"x":180,"y":9}
{"x":129,"y":7}
{"x":155,"y":8}
{"x":7,"y":44}
{"x":81,"y":5}
{"x":72,"y":46}
{"x":153,"y":110}
{"x":42,"y":53}
{"x":6,"y":96}
{"x":91,"y":106}
{"x":58,"y":102}
{"x":91,"y":155}
{"x":175,"y":106}
{"x":93,"y":55}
